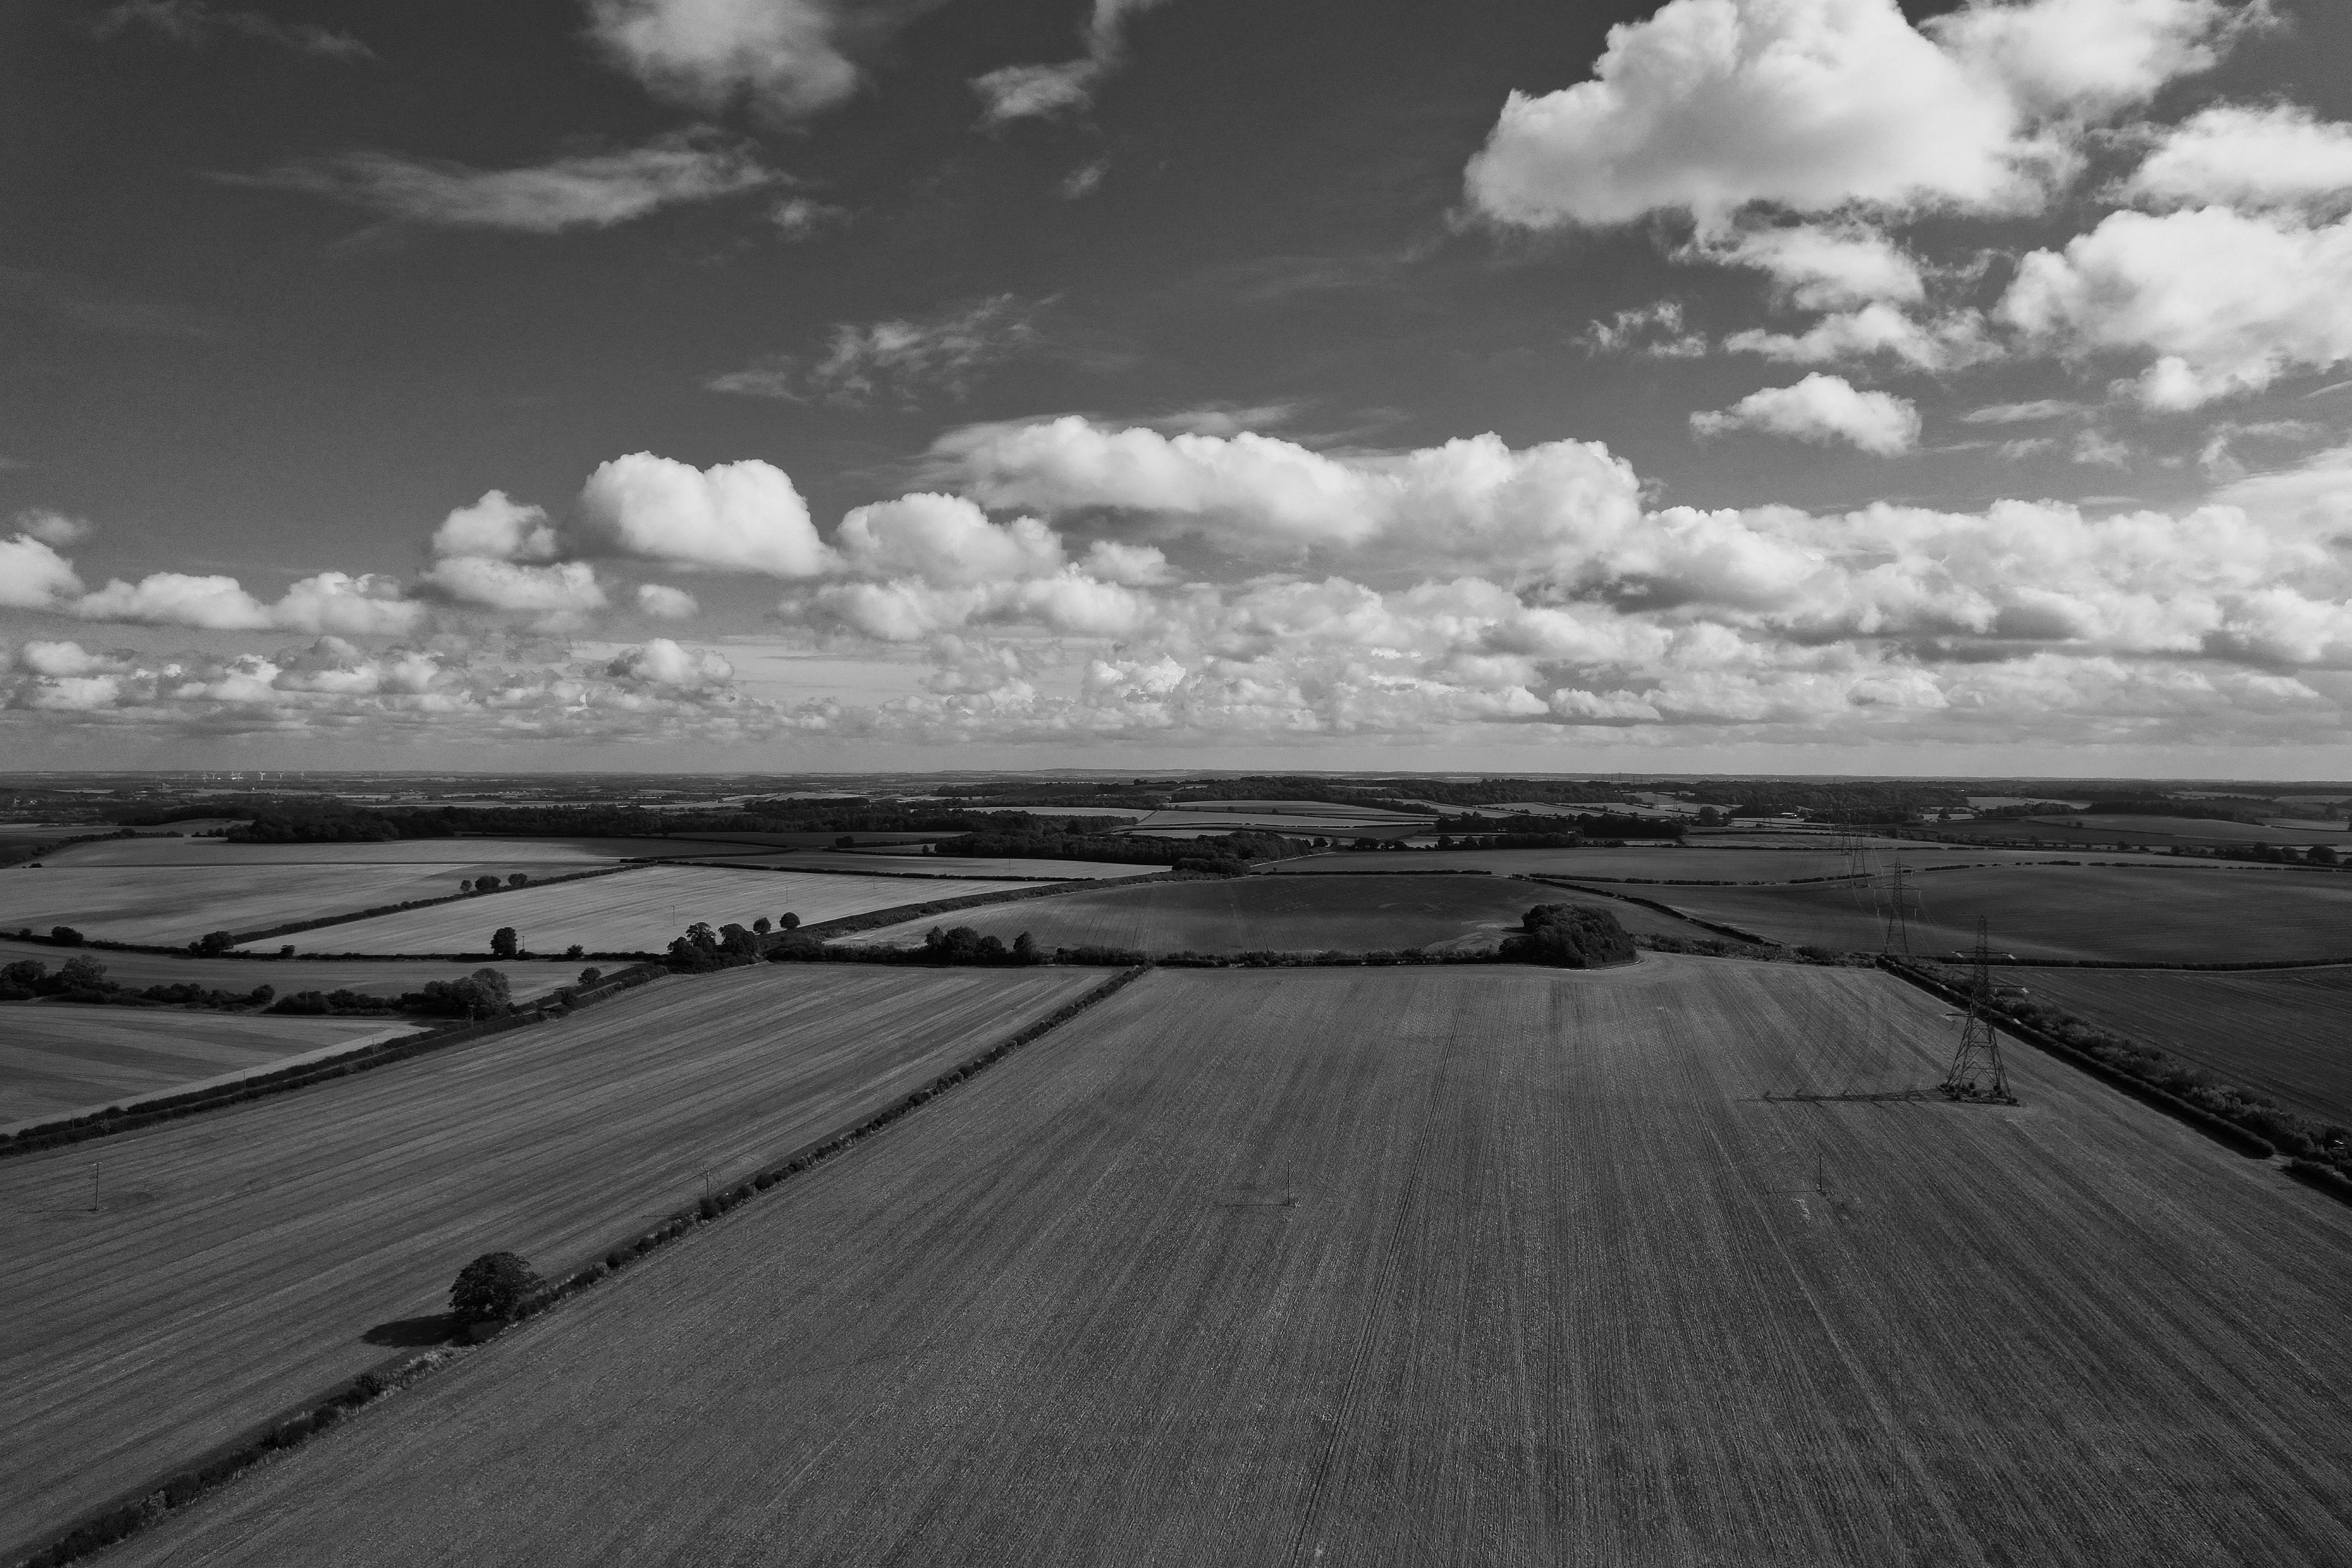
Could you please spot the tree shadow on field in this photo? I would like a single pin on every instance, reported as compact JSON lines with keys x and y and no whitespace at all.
{"x":411,"y":1333}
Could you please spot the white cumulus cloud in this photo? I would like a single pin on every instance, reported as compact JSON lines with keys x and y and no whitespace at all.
{"x":1823,"y":409}
{"x":732,"y":516}
{"x":330,"y":601}
{"x":1710,"y":106}
{"x":497,"y":527}
{"x":566,"y":588}
{"x":789,"y":58}
{"x":664,"y":603}
{"x":33,"y":575}
{"x":2248,"y":157}
{"x":2226,"y":301}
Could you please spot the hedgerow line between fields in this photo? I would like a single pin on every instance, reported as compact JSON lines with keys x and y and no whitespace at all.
{"x":152,"y":1502}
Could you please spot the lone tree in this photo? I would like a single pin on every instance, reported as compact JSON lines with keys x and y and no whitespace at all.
{"x":790,"y":923}
{"x":491,"y":1289}
{"x":504,"y":942}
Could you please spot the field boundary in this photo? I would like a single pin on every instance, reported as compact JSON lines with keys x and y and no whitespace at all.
{"x":169,"y":1105}
{"x":1716,"y":926}
{"x":224,"y":1464}
{"x":2219,"y":1128}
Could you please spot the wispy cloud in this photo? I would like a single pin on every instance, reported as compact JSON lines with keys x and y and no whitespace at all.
{"x":99,"y":308}
{"x":1043,"y":91}
{"x":787,"y":58}
{"x":193,"y":23}
{"x":594,"y":190}
{"x":897,"y":359}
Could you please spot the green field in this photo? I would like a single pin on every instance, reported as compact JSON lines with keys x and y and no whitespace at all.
{"x":525,"y":979}
{"x":2164,"y":912}
{"x":241,"y":1260}
{"x":1410,"y":1266}
{"x":56,"y":1058}
{"x":2283,"y":1033}
{"x":1273,"y":914}
{"x":638,"y":909}
{"x":173,"y":906}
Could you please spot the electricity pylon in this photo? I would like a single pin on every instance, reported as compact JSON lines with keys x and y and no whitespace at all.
{"x":1976,"y":1073}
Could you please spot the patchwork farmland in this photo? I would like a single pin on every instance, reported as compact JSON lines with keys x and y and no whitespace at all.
{"x":2284,"y":1033}
{"x":2163,"y":912}
{"x":1273,"y":914}
{"x":239,"y":1260}
{"x":59,"y":1059}
{"x":638,"y":909}
{"x":1413,"y":1266}
{"x":1698,"y":861}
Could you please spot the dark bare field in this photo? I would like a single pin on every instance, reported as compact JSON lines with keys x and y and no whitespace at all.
{"x":1276,"y":914}
{"x":2159,"y":913}
{"x":235,"y":1262}
{"x":2286,"y":1033}
{"x":1415,"y":1266}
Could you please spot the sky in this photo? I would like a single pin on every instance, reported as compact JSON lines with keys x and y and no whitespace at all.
{"x":1713,"y":385}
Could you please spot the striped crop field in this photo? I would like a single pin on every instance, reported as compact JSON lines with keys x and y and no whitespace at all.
{"x":2284,"y":1033}
{"x":2163,"y":912}
{"x":488,"y":854}
{"x":638,"y":909}
{"x":1411,"y":1266}
{"x":1271,"y":914}
{"x":241,"y":1260}
{"x":525,"y":979}
{"x":58,"y":1058}
{"x":173,"y":906}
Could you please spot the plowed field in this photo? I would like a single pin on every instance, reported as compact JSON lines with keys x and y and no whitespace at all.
{"x":1273,"y":914}
{"x":2286,"y":1033}
{"x":639,"y":910}
{"x":238,"y":1260}
{"x":1410,"y":1268}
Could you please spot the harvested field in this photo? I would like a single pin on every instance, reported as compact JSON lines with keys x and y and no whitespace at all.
{"x":1271,"y":914}
{"x":55,"y":1058}
{"x":1414,"y":1267}
{"x":1657,"y":862}
{"x":2284,"y":1033}
{"x":174,"y":907}
{"x":2161,"y":914}
{"x":240,"y":1259}
{"x":525,"y":979}
{"x":639,"y":910}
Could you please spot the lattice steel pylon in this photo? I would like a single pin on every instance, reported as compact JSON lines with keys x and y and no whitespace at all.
{"x":1975,"y":1072}
{"x":1898,"y":908}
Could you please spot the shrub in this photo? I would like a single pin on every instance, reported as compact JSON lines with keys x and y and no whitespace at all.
{"x":763,"y":926}
{"x":213,"y":943}
{"x":492,"y":1289}
{"x":796,"y":949}
{"x":1567,"y":936}
{"x":64,"y":936}
{"x":590,"y":976}
{"x":83,"y":973}
{"x":788,"y":922}
{"x":516,"y":878}
{"x":575,"y":951}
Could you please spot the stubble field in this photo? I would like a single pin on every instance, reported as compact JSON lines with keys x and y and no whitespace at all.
{"x":1272,"y":914}
{"x":1413,"y":1266}
{"x":2285,"y":1032}
{"x":56,"y":1058}
{"x":638,"y":909}
{"x":239,"y":1259}
{"x":2161,"y":914}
